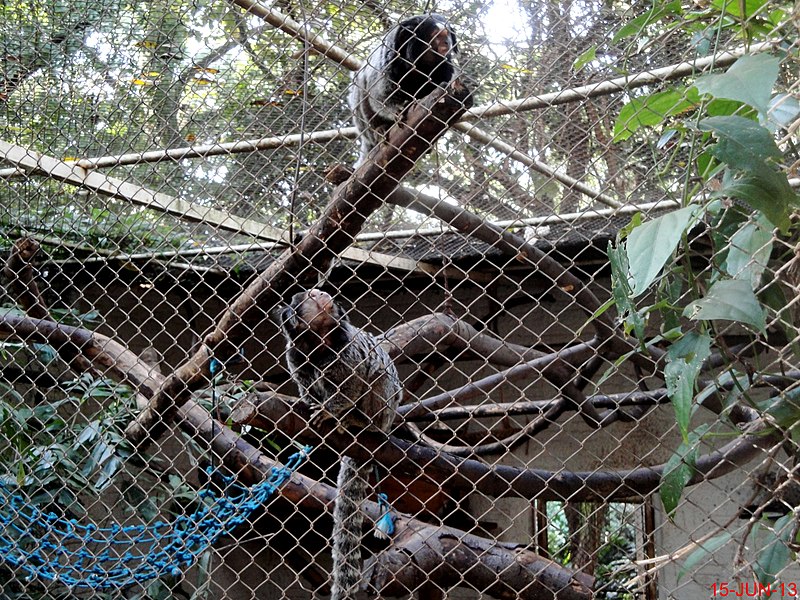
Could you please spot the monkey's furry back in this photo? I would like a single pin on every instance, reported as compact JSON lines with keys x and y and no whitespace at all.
{"x":393,"y":76}
{"x":344,"y":374}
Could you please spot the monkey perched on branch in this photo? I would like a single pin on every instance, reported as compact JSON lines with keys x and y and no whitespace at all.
{"x":344,"y":374}
{"x":414,"y":58}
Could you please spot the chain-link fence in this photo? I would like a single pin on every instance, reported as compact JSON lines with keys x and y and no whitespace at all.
{"x":306,"y":299}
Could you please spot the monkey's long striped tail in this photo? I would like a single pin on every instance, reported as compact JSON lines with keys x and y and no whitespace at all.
{"x":353,"y":484}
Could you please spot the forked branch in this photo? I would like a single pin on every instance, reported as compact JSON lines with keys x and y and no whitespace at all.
{"x":352,"y":203}
{"x":419,"y":550}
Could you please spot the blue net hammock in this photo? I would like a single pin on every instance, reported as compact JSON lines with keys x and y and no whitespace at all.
{"x":47,"y":547}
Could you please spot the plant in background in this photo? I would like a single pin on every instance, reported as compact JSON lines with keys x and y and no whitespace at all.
{"x":730,"y":132}
{"x":62,"y":460}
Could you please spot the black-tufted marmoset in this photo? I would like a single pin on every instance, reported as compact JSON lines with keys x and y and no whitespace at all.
{"x":414,"y":58}
{"x":345,"y":375}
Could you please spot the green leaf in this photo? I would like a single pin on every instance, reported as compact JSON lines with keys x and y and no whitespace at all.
{"x":704,"y":549}
{"x":783,"y":110}
{"x":784,"y":409}
{"x":585,"y":58}
{"x":637,"y":25}
{"x":741,"y":383}
{"x":670,"y":290}
{"x":734,"y":7}
{"x":729,"y":300}
{"x":750,"y":249}
{"x":773,"y":297}
{"x":707,"y":164}
{"x":89,"y":434}
{"x":743,"y":144}
{"x":652,"y":244}
{"x":783,"y":527}
{"x":666,"y":138}
{"x":750,"y":149}
{"x":720,"y":107}
{"x":777,"y":16}
{"x":621,"y":290}
{"x":749,"y":80}
{"x":648,"y":111}
{"x":45,"y":353}
{"x":679,"y":470}
{"x":21,"y":474}
{"x":767,"y":191}
{"x":772,"y":553}
{"x":677,"y":473}
{"x":686,"y":357}
{"x":107,"y":473}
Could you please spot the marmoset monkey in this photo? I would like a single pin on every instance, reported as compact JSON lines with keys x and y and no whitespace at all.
{"x":344,"y":374}
{"x":414,"y":58}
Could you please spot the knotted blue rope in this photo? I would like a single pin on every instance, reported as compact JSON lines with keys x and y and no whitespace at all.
{"x":47,"y":547}
{"x":384,"y":527}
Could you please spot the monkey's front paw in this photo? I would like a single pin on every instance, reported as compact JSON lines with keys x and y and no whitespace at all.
{"x":319,"y":417}
{"x":338,"y":174}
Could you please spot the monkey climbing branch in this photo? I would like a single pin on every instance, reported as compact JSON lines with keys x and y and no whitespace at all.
{"x":343,"y":218}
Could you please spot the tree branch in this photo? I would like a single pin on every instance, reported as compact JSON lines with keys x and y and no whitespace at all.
{"x":351,"y":204}
{"x":418,"y":550}
{"x":572,"y":355}
{"x":441,"y":331}
{"x":462,"y":476}
{"x":538,"y":407}
{"x":79,"y":346}
{"x":509,"y":243}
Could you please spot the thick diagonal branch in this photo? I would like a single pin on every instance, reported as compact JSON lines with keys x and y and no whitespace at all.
{"x":419,"y":550}
{"x":352,"y":203}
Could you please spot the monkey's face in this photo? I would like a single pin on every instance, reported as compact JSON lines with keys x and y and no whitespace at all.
{"x":312,"y":311}
{"x":428,"y":43}
{"x":443,"y":40}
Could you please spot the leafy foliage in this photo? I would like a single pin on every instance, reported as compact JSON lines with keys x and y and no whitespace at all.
{"x":740,"y":197}
{"x":62,"y":456}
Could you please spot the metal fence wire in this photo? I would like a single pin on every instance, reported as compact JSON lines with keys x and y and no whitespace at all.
{"x":399,"y":300}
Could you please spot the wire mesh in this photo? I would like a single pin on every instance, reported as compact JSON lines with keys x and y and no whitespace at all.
{"x":577,"y":248}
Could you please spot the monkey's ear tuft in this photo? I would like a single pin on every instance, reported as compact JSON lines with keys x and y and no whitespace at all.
{"x":282,"y":314}
{"x":340,"y":314}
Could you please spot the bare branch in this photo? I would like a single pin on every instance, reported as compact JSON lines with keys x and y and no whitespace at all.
{"x":461,"y":475}
{"x":343,"y":218}
{"x":539,"y":366}
{"x":471,"y":225}
{"x":495,"y":141}
{"x":300,"y":32}
{"x":509,"y":442}
{"x":418,"y":550}
{"x":79,"y":346}
{"x":441,"y":331}
{"x":538,"y":407}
